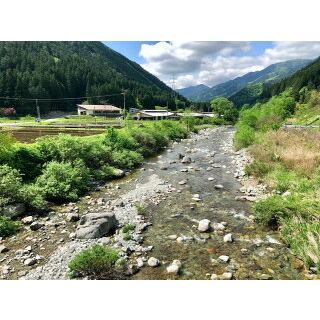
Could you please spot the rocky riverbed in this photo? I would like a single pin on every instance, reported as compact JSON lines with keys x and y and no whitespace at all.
{"x":191,"y":211}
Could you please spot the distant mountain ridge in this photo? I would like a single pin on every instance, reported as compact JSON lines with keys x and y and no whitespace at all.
{"x":193,"y":91}
{"x":272,"y":73}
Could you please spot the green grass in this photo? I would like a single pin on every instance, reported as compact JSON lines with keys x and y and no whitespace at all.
{"x":96,"y":263}
{"x":288,"y":161}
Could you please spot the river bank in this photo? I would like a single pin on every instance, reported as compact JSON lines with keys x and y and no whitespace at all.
{"x":200,"y":178}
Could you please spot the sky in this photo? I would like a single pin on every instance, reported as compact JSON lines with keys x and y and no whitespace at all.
{"x":184,"y":64}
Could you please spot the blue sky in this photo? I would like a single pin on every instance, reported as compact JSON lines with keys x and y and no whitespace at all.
{"x":182,"y":64}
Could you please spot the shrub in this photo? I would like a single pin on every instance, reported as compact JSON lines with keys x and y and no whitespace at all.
{"x":274,"y":209}
{"x":304,"y":239}
{"x":120,"y":139}
{"x":8,"y":227}
{"x":27,"y":160}
{"x":10,"y":185}
{"x":126,"y":159}
{"x":244,"y":136}
{"x":6,"y":147}
{"x":97,"y":262}
{"x":63,"y":181}
{"x":258,"y":168}
{"x":141,"y":209}
{"x":104,"y":173}
{"x":128,"y":227}
{"x":33,"y":197}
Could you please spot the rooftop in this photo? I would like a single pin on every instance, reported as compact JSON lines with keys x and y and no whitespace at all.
{"x":100,"y":107}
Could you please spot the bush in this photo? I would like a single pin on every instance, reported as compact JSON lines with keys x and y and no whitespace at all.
{"x":273,"y":210}
{"x":304,"y":239}
{"x":244,"y":136}
{"x":27,"y":160}
{"x":33,"y":197}
{"x":63,"y":181}
{"x":128,"y":227}
{"x":126,"y":159}
{"x":6,"y":147}
{"x":104,"y":173}
{"x":10,"y":185}
{"x":258,"y":168}
{"x":8,"y":227}
{"x":97,"y":262}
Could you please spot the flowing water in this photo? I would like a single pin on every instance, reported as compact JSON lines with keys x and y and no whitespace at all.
{"x":256,"y":253}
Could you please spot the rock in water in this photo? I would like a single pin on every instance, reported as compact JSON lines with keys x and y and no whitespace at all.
{"x":204,"y":225}
{"x":96,"y":225}
{"x":228,"y":237}
{"x":174,"y":267}
{"x":186,"y":160}
{"x":153,"y":262}
{"x":30,"y":261}
{"x":218,"y":186}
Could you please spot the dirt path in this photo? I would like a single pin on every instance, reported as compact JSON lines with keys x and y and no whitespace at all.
{"x":175,"y":197}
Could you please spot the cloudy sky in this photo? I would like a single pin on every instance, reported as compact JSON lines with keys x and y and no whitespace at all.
{"x":210,"y":62}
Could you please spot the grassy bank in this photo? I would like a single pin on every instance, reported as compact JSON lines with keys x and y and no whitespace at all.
{"x":288,"y":161}
{"x":62,"y":168}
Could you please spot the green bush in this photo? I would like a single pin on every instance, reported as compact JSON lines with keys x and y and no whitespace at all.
{"x":128,"y":227}
{"x":34,"y":197}
{"x":126,"y":159}
{"x":6,"y":147}
{"x":273,"y":210}
{"x":63,"y":181}
{"x":27,"y":160}
{"x":258,"y":168}
{"x":10,"y":185}
{"x":244,"y":136}
{"x":8,"y":227}
{"x":97,"y":262}
{"x":304,"y":239}
{"x":104,"y":173}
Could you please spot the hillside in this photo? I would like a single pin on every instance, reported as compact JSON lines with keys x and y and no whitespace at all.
{"x":272,"y":73}
{"x":73,"y":69}
{"x":193,"y":92}
{"x":306,"y":77}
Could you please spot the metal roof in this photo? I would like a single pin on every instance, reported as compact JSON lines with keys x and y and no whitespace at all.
{"x":99,"y":107}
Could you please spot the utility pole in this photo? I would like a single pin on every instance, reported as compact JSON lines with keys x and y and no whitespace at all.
{"x":38,"y":110}
{"x":124,"y":104}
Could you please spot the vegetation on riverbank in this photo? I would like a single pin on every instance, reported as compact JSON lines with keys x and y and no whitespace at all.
{"x":289,"y":162}
{"x":97,"y":263}
{"x":62,"y":168}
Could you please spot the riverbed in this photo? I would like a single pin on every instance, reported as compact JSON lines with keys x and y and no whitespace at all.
{"x":175,"y":197}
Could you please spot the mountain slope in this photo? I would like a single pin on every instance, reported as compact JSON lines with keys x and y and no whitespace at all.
{"x":193,"y":91}
{"x":73,"y":69}
{"x":309,"y":77}
{"x":272,"y":73}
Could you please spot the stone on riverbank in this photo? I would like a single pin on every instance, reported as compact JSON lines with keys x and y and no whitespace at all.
{"x":96,"y":225}
{"x":228,"y":238}
{"x":204,"y":225}
{"x":174,"y":267}
{"x":153,"y":262}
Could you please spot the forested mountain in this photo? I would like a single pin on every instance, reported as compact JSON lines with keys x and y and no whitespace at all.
{"x":306,"y":77}
{"x":193,"y":91}
{"x":75,"y":69}
{"x":272,"y":73}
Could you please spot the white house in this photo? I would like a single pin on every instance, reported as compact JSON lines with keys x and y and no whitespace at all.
{"x":98,"y":110}
{"x":137,"y":114}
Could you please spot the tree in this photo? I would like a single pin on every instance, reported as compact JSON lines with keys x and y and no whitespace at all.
{"x":224,"y":108}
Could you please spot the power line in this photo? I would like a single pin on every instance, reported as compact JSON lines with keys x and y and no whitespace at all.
{"x":59,"y":99}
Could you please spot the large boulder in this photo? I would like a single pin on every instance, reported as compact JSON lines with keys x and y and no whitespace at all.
{"x":13,"y":210}
{"x":96,"y":225}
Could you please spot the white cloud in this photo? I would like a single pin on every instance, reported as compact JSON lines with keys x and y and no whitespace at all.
{"x":213,"y":62}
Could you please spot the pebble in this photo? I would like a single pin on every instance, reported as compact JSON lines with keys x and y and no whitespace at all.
{"x":182,"y":182}
{"x":218,"y":186}
{"x":3,"y":249}
{"x":204,"y":225}
{"x":153,"y":262}
{"x":173,"y":237}
{"x":210,"y":179}
{"x":228,"y":238}
{"x":30,"y":261}
{"x":226,"y":276}
{"x":34,"y":226}
{"x":214,"y":277}
{"x":224,"y":258}
{"x":27,"y":220}
{"x":174,"y":267}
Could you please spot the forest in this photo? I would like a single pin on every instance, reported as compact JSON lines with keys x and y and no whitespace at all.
{"x":53,"y":70}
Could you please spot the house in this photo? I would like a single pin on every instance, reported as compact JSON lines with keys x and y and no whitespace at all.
{"x":98,"y":110}
{"x":199,"y":115}
{"x":151,"y":114}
